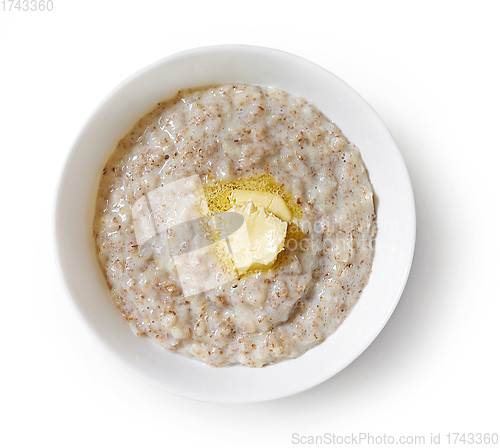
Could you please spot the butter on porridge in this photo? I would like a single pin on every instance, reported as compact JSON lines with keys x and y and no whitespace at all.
{"x":297,"y":259}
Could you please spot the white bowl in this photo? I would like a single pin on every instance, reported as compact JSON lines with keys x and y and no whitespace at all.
{"x":217,"y":65}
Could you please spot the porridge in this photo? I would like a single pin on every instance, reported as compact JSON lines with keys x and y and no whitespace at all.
{"x":300,"y":249}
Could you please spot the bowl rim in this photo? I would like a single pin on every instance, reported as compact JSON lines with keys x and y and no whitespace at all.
{"x":85,"y":127}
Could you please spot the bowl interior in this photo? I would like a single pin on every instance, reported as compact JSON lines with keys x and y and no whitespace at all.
{"x":218,"y":65}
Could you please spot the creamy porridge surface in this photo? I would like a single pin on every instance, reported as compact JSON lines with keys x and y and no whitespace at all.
{"x":226,"y":135}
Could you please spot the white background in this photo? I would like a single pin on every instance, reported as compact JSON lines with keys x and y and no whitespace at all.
{"x":431,"y":71}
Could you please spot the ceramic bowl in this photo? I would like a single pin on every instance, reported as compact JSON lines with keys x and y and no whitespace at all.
{"x":132,"y":99}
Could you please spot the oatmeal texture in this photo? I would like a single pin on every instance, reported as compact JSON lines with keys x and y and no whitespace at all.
{"x":224,"y":134}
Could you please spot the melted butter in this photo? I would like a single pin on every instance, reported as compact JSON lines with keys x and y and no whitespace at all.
{"x":271,"y":202}
{"x":257,"y":243}
{"x":218,"y":192}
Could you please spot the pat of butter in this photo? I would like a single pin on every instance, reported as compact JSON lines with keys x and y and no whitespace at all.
{"x":256,"y":244}
{"x":271,"y":202}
